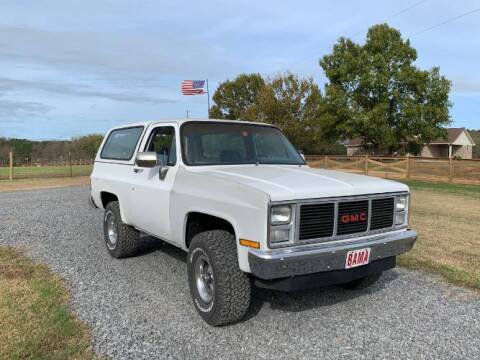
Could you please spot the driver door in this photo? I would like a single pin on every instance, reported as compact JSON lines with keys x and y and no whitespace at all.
{"x":151,"y":187}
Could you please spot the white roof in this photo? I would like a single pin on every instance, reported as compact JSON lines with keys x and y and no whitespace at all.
{"x":183,"y":120}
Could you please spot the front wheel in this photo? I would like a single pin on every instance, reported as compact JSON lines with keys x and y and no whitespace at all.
{"x":221,"y":292}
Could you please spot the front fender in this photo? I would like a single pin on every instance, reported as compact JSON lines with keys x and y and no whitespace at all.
{"x":243,"y":207}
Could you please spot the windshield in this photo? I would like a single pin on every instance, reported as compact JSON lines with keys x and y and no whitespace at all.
{"x":234,"y":143}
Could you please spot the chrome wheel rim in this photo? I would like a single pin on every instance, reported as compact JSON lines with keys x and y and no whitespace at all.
{"x":112,"y":232}
{"x":204,"y":279}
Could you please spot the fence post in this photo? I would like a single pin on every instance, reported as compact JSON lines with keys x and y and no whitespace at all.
{"x":366,"y":164}
{"x":10,"y":173}
{"x":326,"y":161}
{"x":70,"y":163}
{"x":450,"y":170}
{"x":407,"y":167}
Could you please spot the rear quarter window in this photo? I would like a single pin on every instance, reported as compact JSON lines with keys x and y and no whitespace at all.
{"x":121,"y":143}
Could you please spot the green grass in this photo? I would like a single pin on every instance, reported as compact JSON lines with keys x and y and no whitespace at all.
{"x":447,"y":219}
{"x":45,"y":171}
{"x":36,"y":322}
{"x":460,"y":189}
{"x":450,"y":273}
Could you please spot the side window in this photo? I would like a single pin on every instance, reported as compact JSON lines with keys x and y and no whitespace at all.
{"x":121,"y":143}
{"x":162,"y":141}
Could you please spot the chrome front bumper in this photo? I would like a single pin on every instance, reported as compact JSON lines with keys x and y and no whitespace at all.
{"x":302,"y":260}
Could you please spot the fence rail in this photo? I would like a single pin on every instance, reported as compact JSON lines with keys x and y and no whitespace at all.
{"x":409,"y":167}
{"x":18,"y":166}
{"x":24,"y":166}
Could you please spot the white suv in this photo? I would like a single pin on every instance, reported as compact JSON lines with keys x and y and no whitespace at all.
{"x":241,"y":200}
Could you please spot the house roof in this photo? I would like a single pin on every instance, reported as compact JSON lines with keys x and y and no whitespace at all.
{"x":452,"y":135}
{"x":354,"y":142}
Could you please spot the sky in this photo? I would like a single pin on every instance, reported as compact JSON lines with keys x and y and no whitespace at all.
{"x":71,"y":68}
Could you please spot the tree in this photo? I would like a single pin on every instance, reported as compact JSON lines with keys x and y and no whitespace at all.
{"x":376,"y":93}
{"x":21,"y":146}
{"x":234,"y":99}
{"x":295,"y":106}
{"x":86,"y":146}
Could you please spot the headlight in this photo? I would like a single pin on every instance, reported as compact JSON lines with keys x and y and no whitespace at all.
{"x":279,"y":236}
{"x":401,"y":203}
{"x":281,"y":214}
{"x":282,"y":225}
{"x":400,"y":218}
{"x":401,"y":210}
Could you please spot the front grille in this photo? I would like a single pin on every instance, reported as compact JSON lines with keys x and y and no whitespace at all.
{"x":352,"y":217}
{"x":329,"y":220}
{"x":316,"y":221}
{"x":382,"y":213}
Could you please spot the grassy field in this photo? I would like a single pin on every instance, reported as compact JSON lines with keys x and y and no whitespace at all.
{"x":35,"y":320}
{"x":45,"y":171}
{"x":458,"y":189}
{"x":447,"y":218}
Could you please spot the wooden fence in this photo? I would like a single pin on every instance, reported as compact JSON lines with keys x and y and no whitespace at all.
{"x":410,"y":167}
{"x":18,"y":166}
{"x":432,"y":169}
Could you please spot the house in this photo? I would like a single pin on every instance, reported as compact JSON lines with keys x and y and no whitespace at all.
{"x":458,"y":144}
{"x":354,"y":147}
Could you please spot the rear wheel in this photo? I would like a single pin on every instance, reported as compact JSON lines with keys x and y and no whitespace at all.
{"x":362,"y":283}
{"x":121,"y":239}
{"x":221,"y":292}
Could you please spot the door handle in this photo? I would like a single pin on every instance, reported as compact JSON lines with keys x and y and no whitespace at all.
{"x":137,"y":170}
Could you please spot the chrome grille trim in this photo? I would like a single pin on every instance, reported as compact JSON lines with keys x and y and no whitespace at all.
{"x":336,"y":202}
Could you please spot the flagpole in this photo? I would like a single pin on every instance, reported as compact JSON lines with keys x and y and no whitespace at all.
{"x":208,"y":102}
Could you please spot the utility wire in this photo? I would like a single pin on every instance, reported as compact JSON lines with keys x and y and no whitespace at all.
{"x":400,"y":12}
{"x":405,"y":10}
{"x":449,"y":20}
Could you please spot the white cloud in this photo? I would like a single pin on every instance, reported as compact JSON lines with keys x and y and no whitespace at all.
{"x":13,"y":110}
{"x":107,"y":52}
{"x":10,"y":85}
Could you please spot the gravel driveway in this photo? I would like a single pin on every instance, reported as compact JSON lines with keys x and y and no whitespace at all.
{"x":141,"y":308}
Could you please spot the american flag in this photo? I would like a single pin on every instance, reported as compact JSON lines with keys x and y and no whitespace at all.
{"x":193,"y":87}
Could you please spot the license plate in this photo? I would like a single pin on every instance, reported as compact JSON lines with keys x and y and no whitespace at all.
{"x":357,"y":258}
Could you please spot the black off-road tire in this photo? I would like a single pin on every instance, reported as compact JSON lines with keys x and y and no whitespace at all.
{"x":127,"y":237}
{"x":232,"y":287}
{"x":361,"y":283}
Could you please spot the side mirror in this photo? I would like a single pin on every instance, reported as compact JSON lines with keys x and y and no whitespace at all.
{"x":147,"y":159}
{"x":302,"y":154}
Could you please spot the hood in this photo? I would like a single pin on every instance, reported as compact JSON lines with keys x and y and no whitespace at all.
{"x":289,"y":182}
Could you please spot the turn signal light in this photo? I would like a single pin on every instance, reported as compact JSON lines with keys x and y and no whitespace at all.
{"x":250,"y":243}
